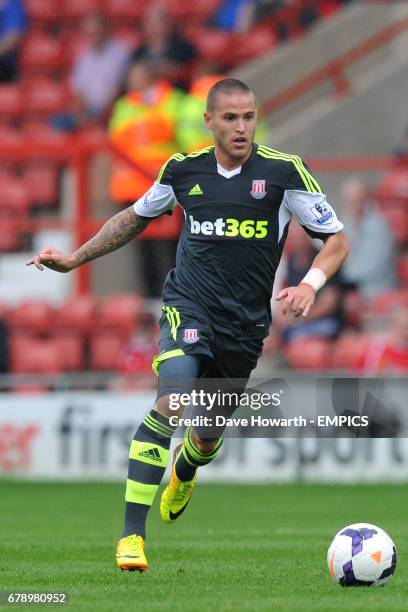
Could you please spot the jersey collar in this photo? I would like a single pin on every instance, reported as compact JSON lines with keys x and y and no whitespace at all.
{"x":230,"y":173}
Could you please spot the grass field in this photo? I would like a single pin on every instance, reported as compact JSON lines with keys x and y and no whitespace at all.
{"x":236,"y":548}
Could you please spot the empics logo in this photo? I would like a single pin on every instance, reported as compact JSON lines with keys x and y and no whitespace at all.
{"x":231,"y":228}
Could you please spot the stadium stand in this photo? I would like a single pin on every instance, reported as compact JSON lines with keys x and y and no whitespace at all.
{"x":82,"y":333}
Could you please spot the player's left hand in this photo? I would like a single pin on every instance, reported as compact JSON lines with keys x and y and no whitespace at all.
{"x":298,"y":299}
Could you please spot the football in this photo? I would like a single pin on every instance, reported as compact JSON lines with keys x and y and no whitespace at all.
{"x":362,"y":555}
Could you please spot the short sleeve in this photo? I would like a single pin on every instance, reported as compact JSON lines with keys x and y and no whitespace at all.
{"x":300,"y":177}
{"x":166,"y":174}
{"x":313,"y":212}
{"x":157,"y":200}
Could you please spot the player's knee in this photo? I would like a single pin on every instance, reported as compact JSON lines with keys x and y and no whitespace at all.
{"x":166,"y":406}
{"x":204,"y":446}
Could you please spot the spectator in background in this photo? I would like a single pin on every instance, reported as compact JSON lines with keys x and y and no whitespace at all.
{"x":142,"y":130}
{"x":235,"y":15}
{"x":391,"y":352}
{"x":139,"y":351}
{"x":4,"y":345}
{"x":13,"y":25}
{"x":192,"y":133}
{"x":371,"y":264}
{"x":96,"y":75}
{"x":164,"y":46}
{"x":325,"y":320}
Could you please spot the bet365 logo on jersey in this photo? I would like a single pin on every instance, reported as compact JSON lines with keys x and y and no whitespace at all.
{"x":231,"y":228}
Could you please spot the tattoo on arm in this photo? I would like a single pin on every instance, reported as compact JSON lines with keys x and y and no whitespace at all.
{"x":116,"y":232}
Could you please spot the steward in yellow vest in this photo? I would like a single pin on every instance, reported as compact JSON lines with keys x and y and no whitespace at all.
{"x":142,"y":131}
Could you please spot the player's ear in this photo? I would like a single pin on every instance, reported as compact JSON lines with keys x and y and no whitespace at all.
{"x":208,"y":120}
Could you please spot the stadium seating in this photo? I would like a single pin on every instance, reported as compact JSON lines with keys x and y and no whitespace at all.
{"x":38,"y":129}
{"x":46,"y":96}
{"x":118,"y":314}
{"x":41,"y":53}
{"x":348,"y":353}
{"x":91,"y":135}
{"x":309,"y":354}
{"x":10,"y":235}
{"x":73,"y":43}
{"x":10,"y":135}
{"x":262,"y":40}
{"x":10,"y":101}
{"x":397,"y":218}
{"x":43,"y":13}
{"x":393,"y":187}
{"x":327,"y":8}
{"x":195,"y":11}
{"x":76,"y":315}
{"x":71,"y":349}
{"x":105,"y":349}
{"x":383,"y":303}
{"x":128,"y":35}
{"x":124,"y":11}
{"x":403,"y":270}
{"x":41,"y":182}
{"x":72,"y":10}
{"x":32,"y":317}
{"x":212,"y":45}
{"x":14,"y":195}
{"x":31,"y":355}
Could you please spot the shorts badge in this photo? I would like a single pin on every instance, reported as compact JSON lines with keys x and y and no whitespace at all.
{"x":258,"y":189}
{"x":190,"y":336}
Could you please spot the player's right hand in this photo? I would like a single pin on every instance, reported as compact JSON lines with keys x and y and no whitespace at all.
{"x":52,"y":259}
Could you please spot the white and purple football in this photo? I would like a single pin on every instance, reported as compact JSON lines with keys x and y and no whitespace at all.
{"x":362,"y":555}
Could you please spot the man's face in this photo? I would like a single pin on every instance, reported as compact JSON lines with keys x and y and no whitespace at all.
{"x":95,"y":30}
{"x":233,"y":124}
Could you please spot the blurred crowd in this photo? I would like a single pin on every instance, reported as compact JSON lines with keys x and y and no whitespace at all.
{"x":140,"y":73}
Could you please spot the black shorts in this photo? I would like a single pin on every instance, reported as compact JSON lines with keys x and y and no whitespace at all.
{"x":185,"y":329}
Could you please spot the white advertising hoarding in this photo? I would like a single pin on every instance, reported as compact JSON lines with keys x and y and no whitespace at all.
{"x":87,"y":435}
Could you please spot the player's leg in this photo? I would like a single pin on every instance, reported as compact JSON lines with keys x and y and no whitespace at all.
{"x":200,"y":446}
{"x":148,"y":456}
{"x":227,"y":374}
{"x":192,"y":453}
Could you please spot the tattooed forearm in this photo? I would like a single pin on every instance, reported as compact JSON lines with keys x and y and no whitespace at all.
{"x":116,"y":232}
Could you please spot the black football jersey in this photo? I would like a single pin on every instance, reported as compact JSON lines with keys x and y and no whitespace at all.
{"x":235,"y":226}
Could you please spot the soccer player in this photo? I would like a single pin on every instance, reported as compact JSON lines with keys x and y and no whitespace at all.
{"x":238,"y":198}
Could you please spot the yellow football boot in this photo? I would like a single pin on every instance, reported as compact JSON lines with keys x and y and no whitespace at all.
{"x":176,"y":495}
{"x":130,"y":554}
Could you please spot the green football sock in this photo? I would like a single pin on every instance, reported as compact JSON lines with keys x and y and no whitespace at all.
{"x":190,"y":458}
{"x":148,"y":456}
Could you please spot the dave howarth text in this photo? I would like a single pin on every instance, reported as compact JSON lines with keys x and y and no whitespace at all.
{"x":222,"y":421}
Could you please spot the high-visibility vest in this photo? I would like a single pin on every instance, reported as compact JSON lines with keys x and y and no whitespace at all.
{"x":142,"y":132}
{"x":192,"y":133}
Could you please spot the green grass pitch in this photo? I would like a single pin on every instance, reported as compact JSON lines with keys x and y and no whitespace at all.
{"x":236,"y":548}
